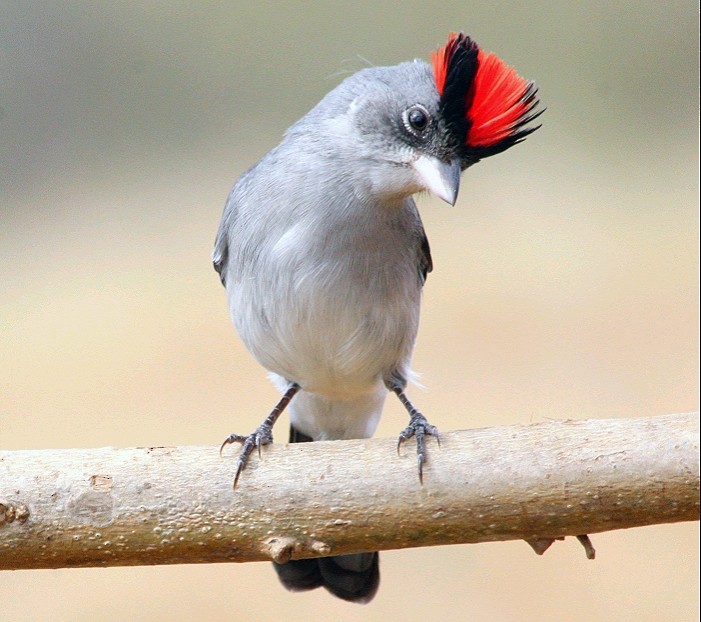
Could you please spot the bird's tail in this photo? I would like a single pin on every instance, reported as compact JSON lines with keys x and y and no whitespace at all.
{"x":353,"y":577}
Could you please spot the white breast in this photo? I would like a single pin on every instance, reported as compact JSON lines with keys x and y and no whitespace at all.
{"x":335,"y":314}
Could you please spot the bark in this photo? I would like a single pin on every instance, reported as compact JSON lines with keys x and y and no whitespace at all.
{"x":169,"y":505}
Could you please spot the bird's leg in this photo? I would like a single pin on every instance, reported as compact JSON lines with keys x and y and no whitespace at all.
{"x":262,"y":435}
{"x":418,"y":427}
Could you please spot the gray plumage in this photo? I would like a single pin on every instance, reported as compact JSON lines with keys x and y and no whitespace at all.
{"x":324,"y":256}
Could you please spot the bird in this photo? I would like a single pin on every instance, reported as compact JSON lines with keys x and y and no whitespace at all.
{"x":323,"y":253}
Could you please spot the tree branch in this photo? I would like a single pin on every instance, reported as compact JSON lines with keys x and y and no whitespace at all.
{"x":167,"y":505}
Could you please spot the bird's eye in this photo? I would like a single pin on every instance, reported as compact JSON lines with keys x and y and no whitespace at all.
{"x":417,"y":118}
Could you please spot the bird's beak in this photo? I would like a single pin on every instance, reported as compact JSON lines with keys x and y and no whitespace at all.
{"x":440,"y":178}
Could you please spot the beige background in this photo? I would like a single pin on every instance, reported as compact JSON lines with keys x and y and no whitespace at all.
{"x":566,"y":280}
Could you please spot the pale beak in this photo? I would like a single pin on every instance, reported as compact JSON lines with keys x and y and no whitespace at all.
{"x":440,"y":178}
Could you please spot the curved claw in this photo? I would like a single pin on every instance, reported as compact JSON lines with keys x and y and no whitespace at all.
{"x":248,"y":444}
{"x":420,"y":428}
{"x":232,"y":438}
{"x":261,"y":436}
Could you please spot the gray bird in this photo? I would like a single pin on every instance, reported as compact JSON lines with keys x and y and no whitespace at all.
{"x":324,"y":256}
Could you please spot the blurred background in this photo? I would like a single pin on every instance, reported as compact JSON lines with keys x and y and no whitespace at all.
{"x":565,"y":282}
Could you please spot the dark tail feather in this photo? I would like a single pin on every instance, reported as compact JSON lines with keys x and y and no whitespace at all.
{"x":350,"y":577}
{"x":297,"y":437}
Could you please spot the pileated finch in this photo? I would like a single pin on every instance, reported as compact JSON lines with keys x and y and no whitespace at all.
{"x":324,"y":256}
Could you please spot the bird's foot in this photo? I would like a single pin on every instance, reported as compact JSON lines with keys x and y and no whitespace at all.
{"x":420,"y":428}
{"x":262,"y":435}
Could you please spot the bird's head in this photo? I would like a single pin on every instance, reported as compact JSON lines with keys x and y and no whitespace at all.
{"x":422,"y":125}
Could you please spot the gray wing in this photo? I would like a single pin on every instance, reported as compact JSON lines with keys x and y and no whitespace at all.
{"x":220,"y":254}
{"x":424,"y":250}
{"x":425,"y":261}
